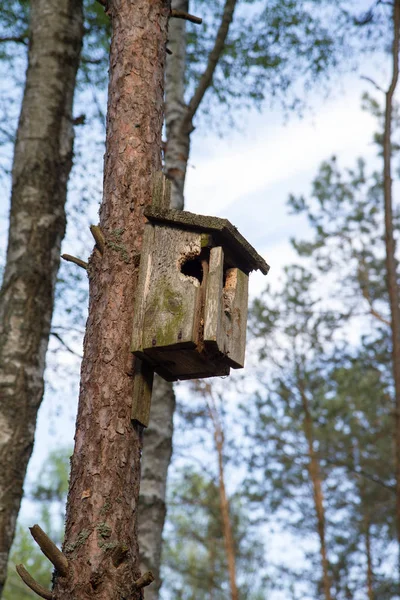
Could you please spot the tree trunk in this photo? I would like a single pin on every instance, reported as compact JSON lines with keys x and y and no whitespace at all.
{"x":226,"y":521}
{"x":101,"y":527}
{"x":157,"y":450}
{"x":152,"y":502}
{"x":313,"y":468}
{"x":178,"y":137}
{"x":391,"y":263}
{"x":41,"y":167}
{"x":370,"y":572}
{"x":157,"y":442}
{"x":223,"y":498}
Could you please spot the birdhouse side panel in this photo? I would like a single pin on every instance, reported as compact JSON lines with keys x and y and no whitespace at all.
{"x":235,"y":299}
{"x":214,"y":334}
{"x":172,"y":306}
{"x":142,"y":290}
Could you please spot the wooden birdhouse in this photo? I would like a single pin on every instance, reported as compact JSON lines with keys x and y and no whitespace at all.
{"x":191,"y":312}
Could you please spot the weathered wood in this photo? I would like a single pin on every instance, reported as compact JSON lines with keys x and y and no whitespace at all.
{"x":172,"y":298}
{"x":142,"y":388}
{"x":214,"y":333}
{"x":161,"y":197}
{"x":235,"y":300}
{"x":226,"y":234}
{"x":142,"y":289}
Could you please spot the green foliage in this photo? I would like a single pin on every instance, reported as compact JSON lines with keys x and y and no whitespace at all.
{"x":48,"y":496}
{"x":194,"y":559}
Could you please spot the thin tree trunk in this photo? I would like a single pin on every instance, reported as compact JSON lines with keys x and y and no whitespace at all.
{"x":178,"y":140}
{"x":179,"y":117}
{"x":315,"y":476}
{"x":157,"y":450}
{"x":101,"y":527}
{"x":391,"y":263}
{"x":158,"y":437}
{"x":41,"y":167}
{"x":224,"y":502}
{"x":370,"y":572}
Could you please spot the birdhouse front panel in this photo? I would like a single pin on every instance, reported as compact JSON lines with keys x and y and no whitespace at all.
{"x":190,"y":317}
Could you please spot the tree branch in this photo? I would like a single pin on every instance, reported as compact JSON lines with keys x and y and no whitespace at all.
{"x":213,"y":58}
{"x":76,"y":261}
{"x":180,"y":14}
{"x":16,"y":39}
{"x":59,"y":338}
{"x":373,"y":82}
{"x":32,"y":584}
{"x":50,"y":550}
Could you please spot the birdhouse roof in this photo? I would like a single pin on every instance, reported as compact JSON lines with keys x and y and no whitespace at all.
{"x":222,"y":230}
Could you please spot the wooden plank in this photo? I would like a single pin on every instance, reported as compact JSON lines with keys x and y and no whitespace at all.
{"x":171,"y":312}
{"x":246,"y":257}
{"x":213,"y":315}
{"x":142,"y":290}
{"x":235,"y":296}
{"x":142,"y":388}
{"x":161,"y":196}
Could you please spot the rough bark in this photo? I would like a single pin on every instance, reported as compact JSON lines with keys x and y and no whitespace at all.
{"x":41,"y":167}
{"x":158,"y":436}
{"x":391,"y":263}
{"x":315,"y":476}
{"x":101,"y":526}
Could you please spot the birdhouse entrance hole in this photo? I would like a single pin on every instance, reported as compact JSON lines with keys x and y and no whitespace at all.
{"x":193,"y":267}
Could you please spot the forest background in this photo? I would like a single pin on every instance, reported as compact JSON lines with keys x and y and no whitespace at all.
{"x":247,"y":176}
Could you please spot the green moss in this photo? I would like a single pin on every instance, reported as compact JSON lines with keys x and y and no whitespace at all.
{"x":168,"y":302}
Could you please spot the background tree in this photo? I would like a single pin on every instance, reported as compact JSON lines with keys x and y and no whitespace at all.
{"x":42,"y":162}
{"x":319,"y":432}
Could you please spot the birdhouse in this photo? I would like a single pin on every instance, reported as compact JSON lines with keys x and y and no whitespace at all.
{"x":191,"y":312}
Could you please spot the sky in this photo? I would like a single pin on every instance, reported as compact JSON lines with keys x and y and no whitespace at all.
{"x":246,"y":177}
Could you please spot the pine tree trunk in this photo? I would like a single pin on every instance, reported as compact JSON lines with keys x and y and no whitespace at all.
{"x":101,"y":528}
{"x":391,"y":263}
{"x":41,"y":167}
{"x":157,"y":442}
{"x":314,"y":470}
